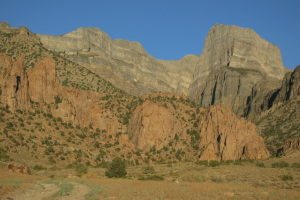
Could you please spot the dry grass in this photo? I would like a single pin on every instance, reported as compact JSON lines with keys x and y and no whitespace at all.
{"x":183,"y":181}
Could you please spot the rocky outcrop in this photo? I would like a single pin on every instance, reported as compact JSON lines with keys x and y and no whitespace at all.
{"x":40,"y":85}
{"x":222,"y":135}
{"x":279,"y":125}
{"x":18,"y":168}
{"x":14,"y":79}
{"x":225,"y":137}
{"x":290,"y":87}
{"x":153,"y":125}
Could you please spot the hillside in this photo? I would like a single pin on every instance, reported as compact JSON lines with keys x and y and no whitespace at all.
{"x":54,"y":95}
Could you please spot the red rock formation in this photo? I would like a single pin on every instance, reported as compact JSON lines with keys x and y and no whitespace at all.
{"x":40,"y":84}
{"x":153,"y":125}
{"x":18,"y":168}
{"x":223,"y":136}
{"x":14,"y":88}
{"x":43,"y":85}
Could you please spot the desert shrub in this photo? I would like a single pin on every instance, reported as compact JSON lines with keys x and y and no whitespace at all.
{"x":149,"y":170}
{"x":202,"y":162}
{"x":260,"y":164}
{"x":287,"y":177}
{"x":57,"y":99}
{"x":3,"y":155}
{"x":193,"y":178}
{"x":39,"y":167}
{"x":227,"y":162}
{"x":81,"y":169}
{"x":213,"y":163}
{"x":116,"y":169}
{"x":280,"y":164}
{"x":296,"y":165}
{"x":51,"y":160}
{"x":216,"y":179}
{"x":152,"y":177}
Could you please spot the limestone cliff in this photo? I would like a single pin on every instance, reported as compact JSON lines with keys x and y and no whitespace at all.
{"x":232,"y":62}
{"x":126,"y":64}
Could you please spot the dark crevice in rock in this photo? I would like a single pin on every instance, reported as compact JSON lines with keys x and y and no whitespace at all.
{"x":244,"y":150}
{"x":219,"y":139}
{"x":18,"y":81}
{"x":239,"y":86}
{"x":213,"y":94}
{"x":272,"y":98}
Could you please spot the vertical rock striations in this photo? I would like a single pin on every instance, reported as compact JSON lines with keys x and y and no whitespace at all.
{"x":225,"y":137}
{"x":233,"y":61}
{"x":126,"y":64}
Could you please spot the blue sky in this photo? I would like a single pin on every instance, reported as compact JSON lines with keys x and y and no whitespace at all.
{"x":168,"y":29}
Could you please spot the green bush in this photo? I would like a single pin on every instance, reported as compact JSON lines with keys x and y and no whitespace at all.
{"x":296,"y":165}
{"x":39,"y":167}
{"x":3,"y":156}
{"x":81,"y":169}
{"x":280,"y":164}
{"x":260,"y":164}
{"x":149,"y":170}
{"x":286,"y":178}
{"x":213,"y":163}
{"x":152,"y":177}
{"x":57,"y":99}
{"x":116,"y":169}
{"x":202,"y":162}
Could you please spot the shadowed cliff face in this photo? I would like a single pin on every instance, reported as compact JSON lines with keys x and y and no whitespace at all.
{"x":280,"y":125}
{"x":233,"y":61}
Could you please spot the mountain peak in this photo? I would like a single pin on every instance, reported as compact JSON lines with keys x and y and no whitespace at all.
{"x":237,"y":47}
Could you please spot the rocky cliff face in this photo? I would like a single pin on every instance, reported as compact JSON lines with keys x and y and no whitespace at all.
{"x":225,"y":137}
{"x":219,"y":136}
{"x":40,"y":85}
{"x":233,"y":61}
{"x":280,"y":124}
{"x":290,"y":87}
{"x":153,"y":125}
{"x":241,"y":48}
{"x":126,"y":64}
